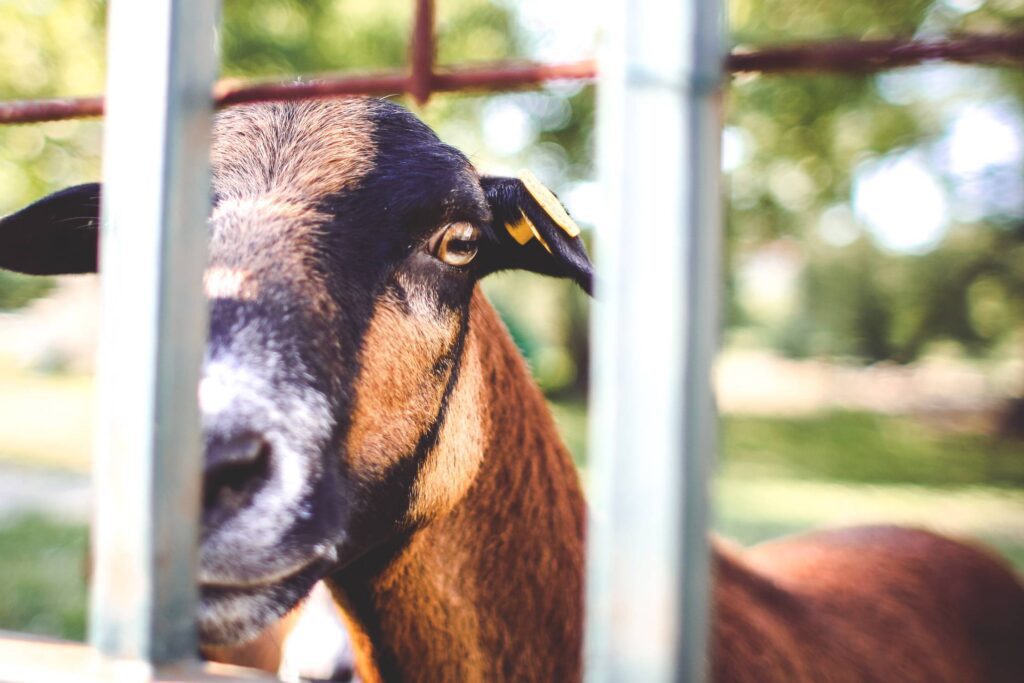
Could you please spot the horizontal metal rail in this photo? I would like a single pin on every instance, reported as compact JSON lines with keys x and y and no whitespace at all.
{"x":421,"y":81}
{"x":33,"y":659}
{"x":231,"y":92}
{"x":860,"y":56}
{"x":498,"y":77}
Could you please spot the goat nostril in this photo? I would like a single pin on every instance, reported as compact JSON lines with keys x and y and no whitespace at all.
{"x":239,"y":450}
{"x":235,"y":470}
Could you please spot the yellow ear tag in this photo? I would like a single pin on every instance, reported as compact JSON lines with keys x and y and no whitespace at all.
{"x":549,"y":202}
{"x":524,"y":230}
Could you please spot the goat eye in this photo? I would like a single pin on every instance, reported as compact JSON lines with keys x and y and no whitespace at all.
{"x":456,"y":244}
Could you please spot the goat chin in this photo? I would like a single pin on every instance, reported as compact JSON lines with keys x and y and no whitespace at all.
{"x":310,"y":643}
{"x":318,"y":646}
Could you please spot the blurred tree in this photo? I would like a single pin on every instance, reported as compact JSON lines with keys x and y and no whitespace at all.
{"x":859,"y":302}
{"x":286,"y":37}
{"x":804,"y":138}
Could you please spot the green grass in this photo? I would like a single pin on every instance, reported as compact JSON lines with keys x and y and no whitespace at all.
{"x":751,"y":510}
{"x":868,"y":448}
{"x":783,"y":475}
{"x":847,"y":446}
{"x":42,"y":571}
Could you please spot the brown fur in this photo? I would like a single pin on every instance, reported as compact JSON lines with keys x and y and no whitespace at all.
{"x":493,"y":589}
{"x":489,"y":585}
{"x":270,"y":171}
{"x":396,"y":394}
{"x":452,"y":466}
{"x":866,"y":604}
{"x":484,"y":581}
{"x":229,"y":283}
{"x":294,"y":158}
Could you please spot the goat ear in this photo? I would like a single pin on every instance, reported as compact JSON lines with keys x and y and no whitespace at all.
{"x":531,"y":230}
{"x":56,"y":235}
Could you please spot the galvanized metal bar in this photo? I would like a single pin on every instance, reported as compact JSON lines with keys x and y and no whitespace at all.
{"x":162,"y":65}
{"x":653,"y":422}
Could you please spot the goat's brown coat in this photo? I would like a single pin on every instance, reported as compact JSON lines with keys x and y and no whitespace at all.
{"x":493,"y":589}
{"x":866,"y":604}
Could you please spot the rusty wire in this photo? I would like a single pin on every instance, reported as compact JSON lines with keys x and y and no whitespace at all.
{"x":875,"y":55}
{"x":423,"y":78}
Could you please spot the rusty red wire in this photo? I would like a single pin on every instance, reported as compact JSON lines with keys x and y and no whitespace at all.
{"x":874,"y":55}
{"x":423,"y":78}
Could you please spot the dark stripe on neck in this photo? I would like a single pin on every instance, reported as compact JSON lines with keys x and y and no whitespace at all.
{"x":393,"y":494}
{"x":404,"y":473}
{"x":394,"y":499}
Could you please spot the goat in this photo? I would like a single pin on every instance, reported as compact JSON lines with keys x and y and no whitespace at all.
{"x":368,"y":421}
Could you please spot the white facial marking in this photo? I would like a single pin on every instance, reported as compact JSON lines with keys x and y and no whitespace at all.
{"x":318,"y":645}
{"x":230,"y":283}
{"x":422,"y":301}
{"x":214,"y":396}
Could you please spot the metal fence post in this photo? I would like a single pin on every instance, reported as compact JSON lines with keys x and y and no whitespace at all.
{"x":162,"y":64}
{"x":653,"y":420}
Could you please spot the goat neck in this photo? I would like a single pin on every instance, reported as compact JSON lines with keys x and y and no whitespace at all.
{"x":492,"y":590}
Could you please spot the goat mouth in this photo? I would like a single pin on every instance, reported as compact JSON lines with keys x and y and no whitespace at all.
{"x":230,"y":614}
{"x":325,"y":554}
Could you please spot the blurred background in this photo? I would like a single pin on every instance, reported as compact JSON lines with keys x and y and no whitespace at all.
{"x":872,"y":364}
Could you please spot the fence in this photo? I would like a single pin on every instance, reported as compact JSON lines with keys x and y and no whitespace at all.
{"x":660,"y":81}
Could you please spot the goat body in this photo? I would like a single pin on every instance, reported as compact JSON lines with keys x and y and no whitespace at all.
{"x":493,"y":591}
{"x":866,"y":604}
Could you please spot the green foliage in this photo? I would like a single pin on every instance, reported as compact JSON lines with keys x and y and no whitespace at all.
{"x":284,"y":37}
{"x":860,"y":302}
{"x":48,"y":49}
{"x":759,"y":21}
{"x":807,"y":135}
{"x":42,"y":570}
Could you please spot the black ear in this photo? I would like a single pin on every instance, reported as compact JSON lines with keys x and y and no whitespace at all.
{"x":56,"y":235}
{"x":531,"y":230}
